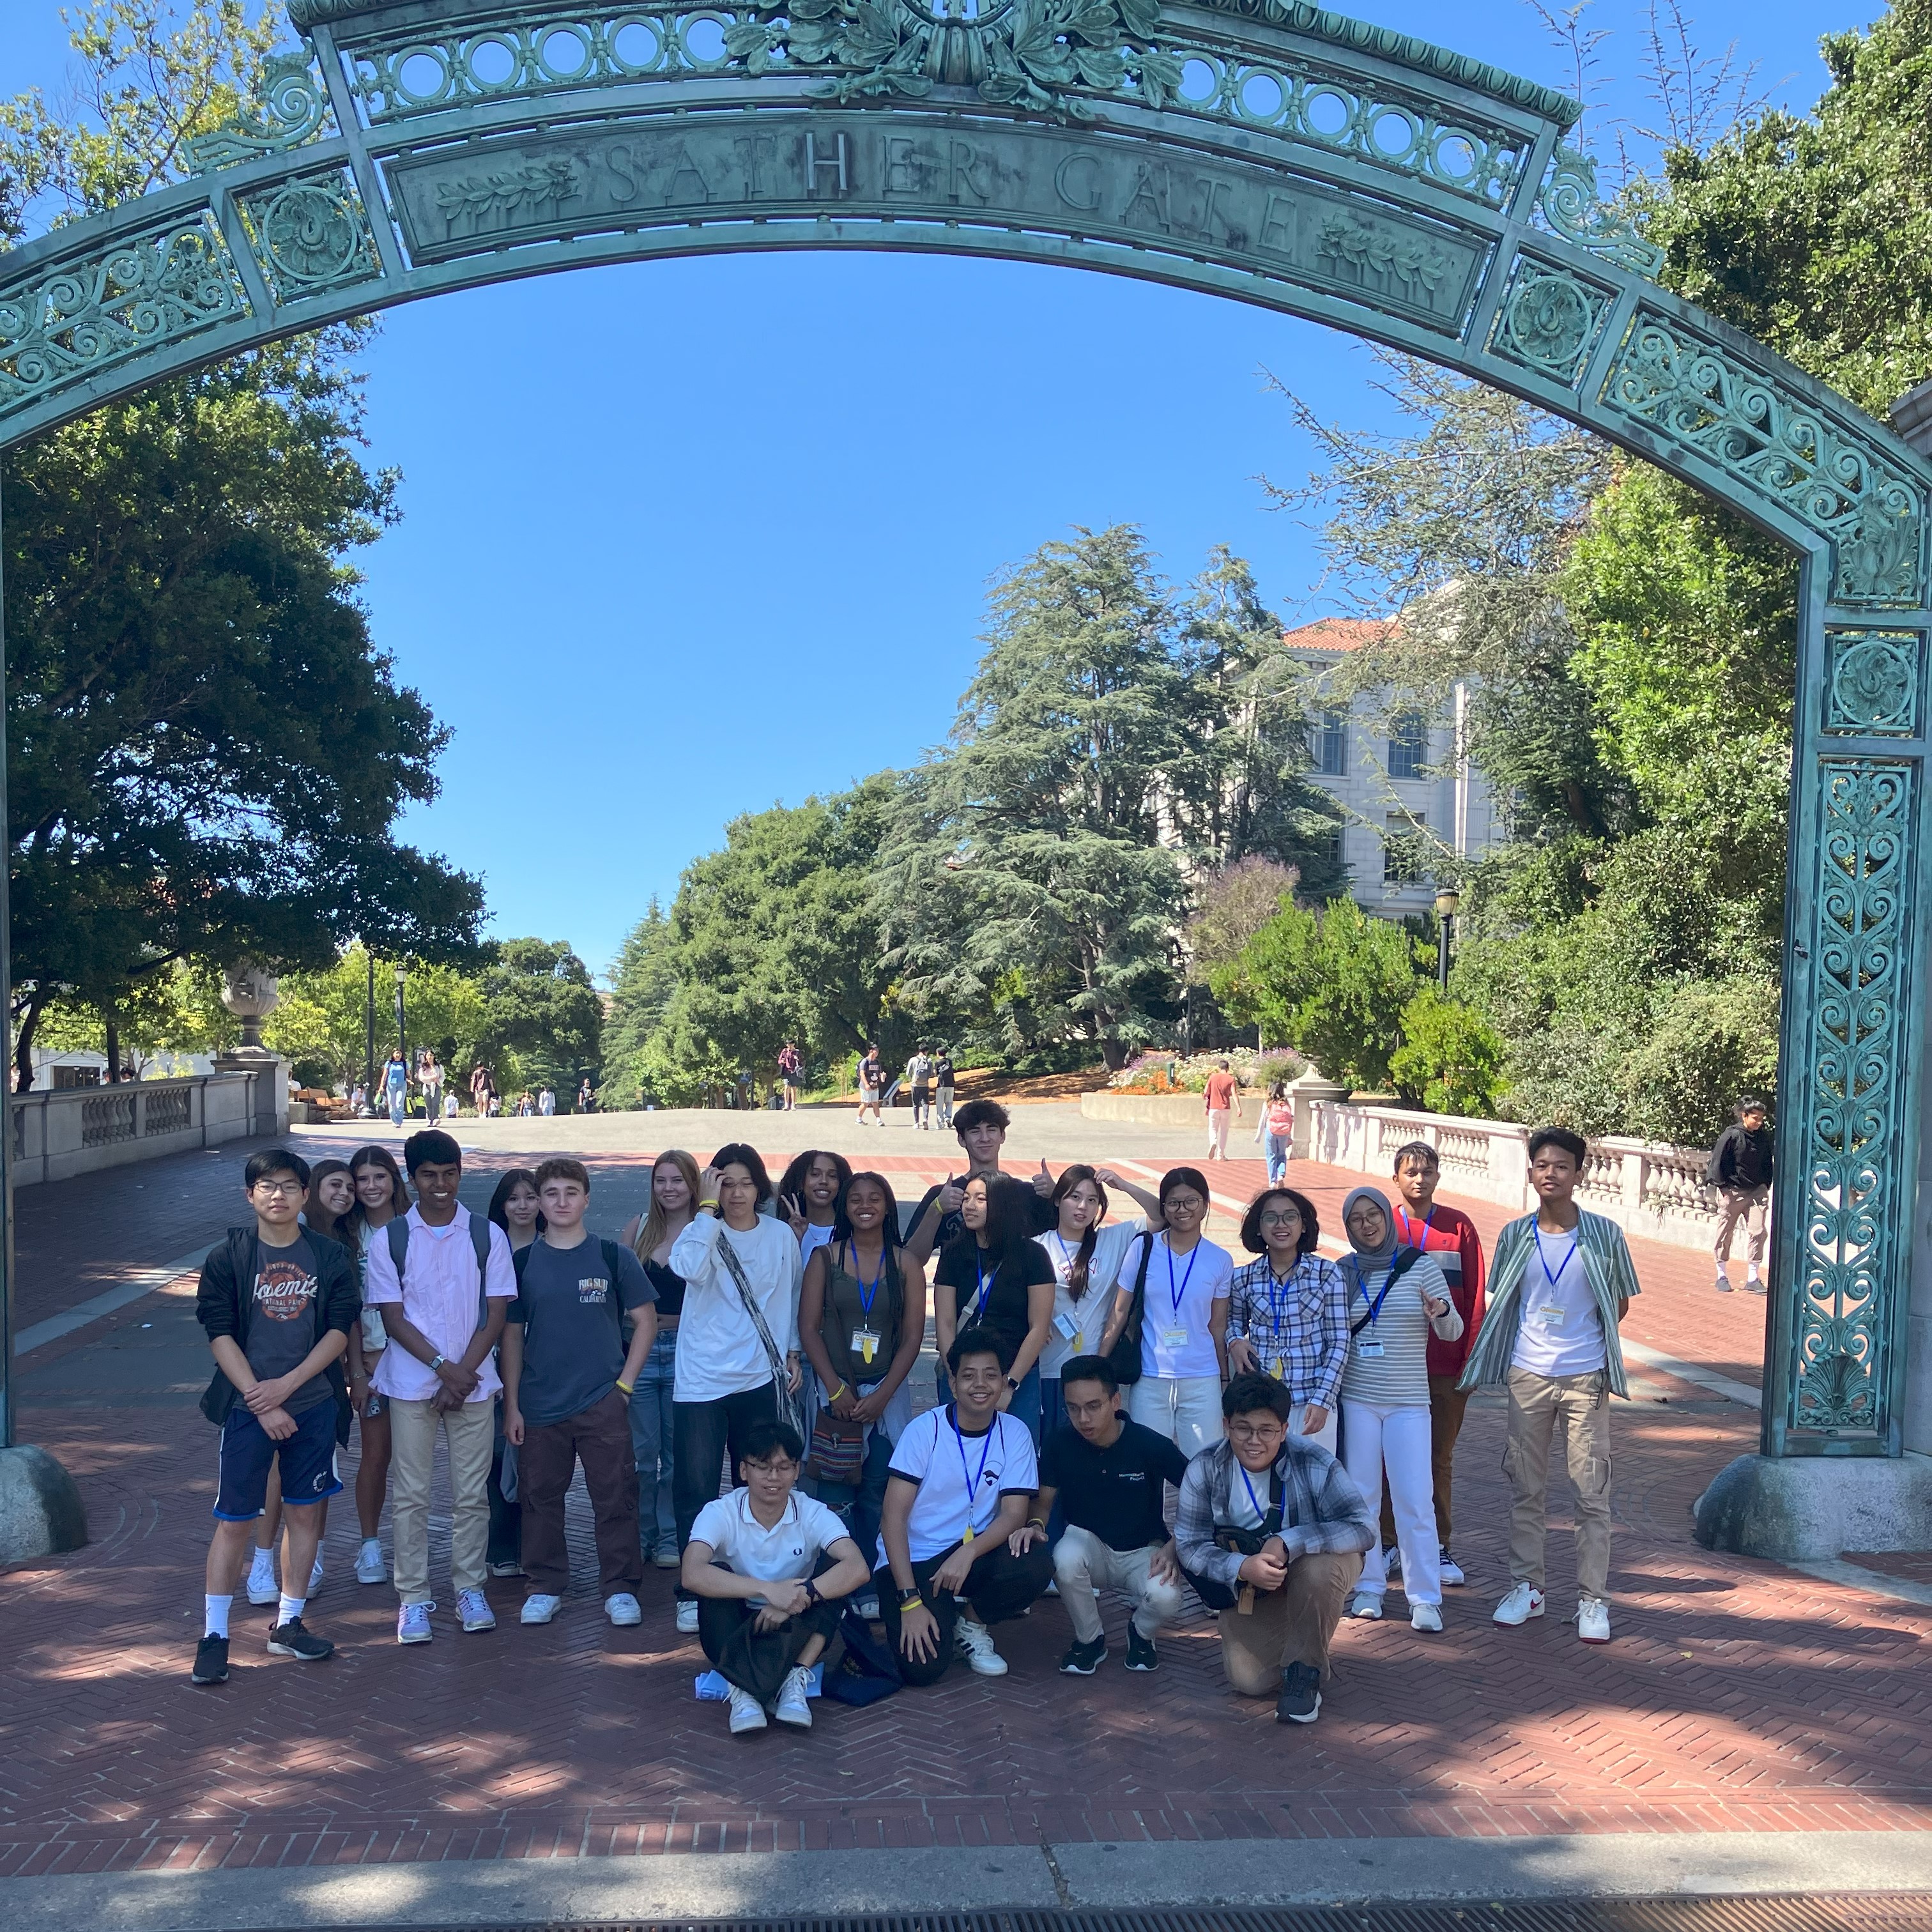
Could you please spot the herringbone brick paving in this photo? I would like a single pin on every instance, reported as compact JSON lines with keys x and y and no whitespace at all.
{"x":1738,"y":1696}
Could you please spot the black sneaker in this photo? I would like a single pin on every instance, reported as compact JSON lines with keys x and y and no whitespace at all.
{"x":1141,"y":1654}
{"x":291,"y":1639}
{"x":1300,"y":1700}
{"x":1082,"y":1660}
{"x":211,"y":1661}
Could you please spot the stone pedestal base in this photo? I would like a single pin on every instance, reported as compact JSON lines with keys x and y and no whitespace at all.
{"x":40,"y":1511}
{"x":1810,"y":1509}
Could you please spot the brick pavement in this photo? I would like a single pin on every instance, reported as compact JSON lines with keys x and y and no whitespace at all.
{"x":1738,"y":1695}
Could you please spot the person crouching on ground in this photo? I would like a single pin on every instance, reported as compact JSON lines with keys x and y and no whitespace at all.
{"x":963,"y":1478}
{"x":1271,"y":1533}
{"x":770,"y":1570}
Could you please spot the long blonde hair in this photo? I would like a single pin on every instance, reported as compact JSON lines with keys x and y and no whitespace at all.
{"x":652,"y":1228}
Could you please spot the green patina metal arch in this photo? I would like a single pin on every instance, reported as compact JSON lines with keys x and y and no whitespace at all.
{"x":1263,"y":150}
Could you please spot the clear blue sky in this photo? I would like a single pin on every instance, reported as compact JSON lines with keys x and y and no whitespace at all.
{"x":684,"y":540}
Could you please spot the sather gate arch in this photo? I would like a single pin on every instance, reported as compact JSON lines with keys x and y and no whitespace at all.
{"x":1263,"y":150}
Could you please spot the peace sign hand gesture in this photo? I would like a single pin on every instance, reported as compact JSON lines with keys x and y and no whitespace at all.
{"x":793,"y":1209}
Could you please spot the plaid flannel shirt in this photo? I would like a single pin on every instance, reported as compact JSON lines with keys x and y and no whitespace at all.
{"x":1322,"y":1512}
{"x":1299,"y":1330}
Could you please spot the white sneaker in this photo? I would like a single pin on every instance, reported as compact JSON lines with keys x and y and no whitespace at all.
{"x":473,"y":1607}
{"x":1392,"y":1562}
{"x":412,"y":1624}
{"x":747,"y":1713}
{"x":315,"y":1576}
{"x":867,"y":1604}
{"x":1366,"y":1605}
{"x":1723,"y":1285}
{"x":621,"y":1607}
{"x":792,"y":1707}
{"x":687,"y":1616}
{"x":370,"y":1567}
{"x":540,"y":1608}
{"x":1425,"y":1617}
{"x":1593,"y":1620}
{"x":261,"y":1588}
{"x":1522,"y":1603}
{"x":1453,"y":1578}
{"x":974,"y":1641}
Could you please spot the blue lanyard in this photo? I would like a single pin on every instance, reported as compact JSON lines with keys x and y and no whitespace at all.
{"x":1575,"y":1235}
{"x":985,"y":1449}
{"x":1066,"y":1259}
{"x":869,"y":1292}
{"x":1277,"y":1293}
{"x":1408,"y":1228}
{"x":1375,"y":1306}
{"x":984,"y":1282}
{"x":1180,"y":1293}
{"x":1260,"y":1513}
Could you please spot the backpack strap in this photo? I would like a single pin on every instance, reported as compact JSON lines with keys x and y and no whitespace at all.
{"x":1404,"y":1261}
{"x":479,"y":1240}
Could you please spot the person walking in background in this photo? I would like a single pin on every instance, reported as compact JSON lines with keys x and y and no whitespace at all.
{"x":396,"y":1087}
{"x":737,"y":1354}
{"x":1397,"y":1299}
{"x":1177,"y":1283}
{"x":547,"y":1101}
{"x":1448,"y":1237}
{"x":942,"y":1085}
{"x":789,"y":1064}
{"x":1275,"y":1130}
{"x":587,"y":1097}
{"x":515,"y":1208}
{"x":1222,"y":1103}
{"x":429,"y":1077}
{"x":919,"y":1077}
{"x":1740,"y":1170}
{"x":1561,"y":1281}
{"x":1288,"y":1313}
{"x":380,"y":1196}
{"x":482,"y":1085}
{"x":650,"y":1237}
{"x":443,"y":1279}
{"x":871,"y":1087}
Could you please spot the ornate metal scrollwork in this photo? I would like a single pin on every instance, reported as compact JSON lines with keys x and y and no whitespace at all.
{"x":1783,"y":446}
{"x":311,"y":235}
{"x":294,"y":109}
{"x":1849,"y":1272}
{"x":1548,"y":320}
{"x":174,"y":281}
{"x":1874,"y":682}
{"x":1567,"y":200}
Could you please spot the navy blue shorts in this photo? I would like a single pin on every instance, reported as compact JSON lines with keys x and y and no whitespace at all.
{"x":307,"y":1459}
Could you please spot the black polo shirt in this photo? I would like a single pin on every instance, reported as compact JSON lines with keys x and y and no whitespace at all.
{"x":1113,"y":1493}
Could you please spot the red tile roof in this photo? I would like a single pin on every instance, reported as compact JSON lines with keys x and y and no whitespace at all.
{"x":1337,"y":633}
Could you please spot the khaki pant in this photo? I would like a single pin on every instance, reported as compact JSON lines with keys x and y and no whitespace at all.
{"x":1082,"y":1564}
{"x":1578,"y":1407}
{"x":1747,"y":1205}
{"x":1218,"y":1118}
{"x":471,"y":1432}
{"x":1294,"y":1625}
{"x":1448,"y":1405}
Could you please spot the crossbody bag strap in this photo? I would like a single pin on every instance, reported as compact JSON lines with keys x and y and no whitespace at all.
{"x":736,"y":1269}
{"x":1404,"y":1261}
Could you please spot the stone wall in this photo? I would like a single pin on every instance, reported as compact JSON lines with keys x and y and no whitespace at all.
{"x":78,"y":1129}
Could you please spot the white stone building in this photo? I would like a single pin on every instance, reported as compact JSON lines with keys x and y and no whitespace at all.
{"x":1391,"y":775}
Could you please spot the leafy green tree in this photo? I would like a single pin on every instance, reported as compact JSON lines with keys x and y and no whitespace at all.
{"x":539,"y":1005}
{"x":1333,"y":984}
{"x":1450,"y":1061}
{"x":642,"y":984}
{"x":321,"y":1024}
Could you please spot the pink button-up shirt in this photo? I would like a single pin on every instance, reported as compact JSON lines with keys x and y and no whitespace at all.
{"x":439,"y":1297}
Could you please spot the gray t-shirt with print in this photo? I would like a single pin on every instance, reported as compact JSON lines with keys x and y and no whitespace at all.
{"x":573,"y":1343}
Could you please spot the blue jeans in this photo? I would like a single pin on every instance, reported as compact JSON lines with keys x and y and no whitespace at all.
{"x":651,"y":1441}
{"x":396,"y":1104}
{"x":1277,"y":1159}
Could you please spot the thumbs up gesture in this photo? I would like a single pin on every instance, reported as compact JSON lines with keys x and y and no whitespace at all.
{"x":950,"y":1196}
{"x":1042,"y":1181}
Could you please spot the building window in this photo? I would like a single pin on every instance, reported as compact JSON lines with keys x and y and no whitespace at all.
{"x":1331,"y":745}
{"x":1401,"y":849}
{"x":1408,"y":746}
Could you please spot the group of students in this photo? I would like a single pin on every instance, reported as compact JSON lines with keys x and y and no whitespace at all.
{"x":1306,"y":1410}
{"x":928,"y":1079}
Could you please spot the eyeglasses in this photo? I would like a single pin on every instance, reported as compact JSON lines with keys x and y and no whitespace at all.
{"x":1265,"y":1432}
{"x":278,"y":1187}
{"x":1289,"y":1218}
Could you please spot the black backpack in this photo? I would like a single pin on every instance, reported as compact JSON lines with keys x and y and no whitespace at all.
{"x":398,"y":1232}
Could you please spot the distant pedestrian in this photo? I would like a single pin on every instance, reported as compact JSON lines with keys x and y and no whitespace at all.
{"x":482,"y":1085}
{"x":451,"y":1107}
{"x":1275,"y":1130}
{"x":871,"y":1087}
{"x":919,"y":1077}
{"x":429,"y":1077}
{"x":587,"y":1097}
{"x":1740,"y":1170}
{"x":547,"y":1101}
{"x":396,"y":1087}
{"x":1222,"y":1103}
{"x":942,"y":1086}
{"x":789,"y":1065}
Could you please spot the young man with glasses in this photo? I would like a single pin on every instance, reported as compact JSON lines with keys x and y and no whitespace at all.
{"x":277,"y":1309}
{"x":1271,"y":1533}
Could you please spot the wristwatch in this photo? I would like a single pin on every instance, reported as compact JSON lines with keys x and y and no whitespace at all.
{"x":436,"y":1362}
{"x":910,"y":1599}
{"x":1013,"y":1385}
{"x":811,"y":1591}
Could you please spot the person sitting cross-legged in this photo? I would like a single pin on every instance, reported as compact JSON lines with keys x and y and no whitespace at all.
{"x":1111,"y":1477}
{"x":770,"y":1570}
{"x":962,"y":1481}
{"x":1270,"y":1532}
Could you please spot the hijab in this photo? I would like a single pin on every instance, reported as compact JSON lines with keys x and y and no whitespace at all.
{"x":1366,"y":1261}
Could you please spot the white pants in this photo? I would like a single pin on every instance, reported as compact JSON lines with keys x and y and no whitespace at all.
{"x":1217,"y":1133}
{"x":1083,"y":1563}
{"x":1187,"y":1409}
{"x":1398,"y":1441}
{"x":1297,"y":1425}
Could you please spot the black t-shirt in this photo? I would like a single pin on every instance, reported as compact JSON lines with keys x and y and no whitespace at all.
{"x":1041,"y":1214}
{"x":964,"y":1267}
{"x":283,"y":1321}
{"x":942,"y":1070}
{"x":1114,"y":1493}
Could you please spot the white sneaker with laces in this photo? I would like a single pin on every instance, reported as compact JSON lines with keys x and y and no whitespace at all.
{"x":473,"y":1607}
{"x":621,"y":1607}
{"x":1453,"y":1578}
{"x":370,"y":1567}
{"x":792,"y":1706}
{"x":1364,"y":1605}
{"x":540,"y":1607}
{"x":262,"y":1586}
{"x":1593,"y":1620}
{"x":1425,"y":1617}
{"x":412,"y":1624}
{"x":747,"y":1713}
{"x":1522,"y":1603}
{"x":867,"y":1604}
{"x":974,"y":1641}
{"x":687,"y":1616}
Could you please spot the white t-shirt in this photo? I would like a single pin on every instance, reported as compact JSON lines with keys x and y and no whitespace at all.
{"x":787,"y":1552}
{"x":719,"y":1350}
{"x":813,"y":1238}
{"x":1246,"y":1511}
{"x":1087,"y":1317}
{"x":1562,"y":1333}
{"x":1181,"y":1292}
{"x":962,"y":1478}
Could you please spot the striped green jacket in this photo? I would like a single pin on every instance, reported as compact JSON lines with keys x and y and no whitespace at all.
{"x":1612,"y":1275}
